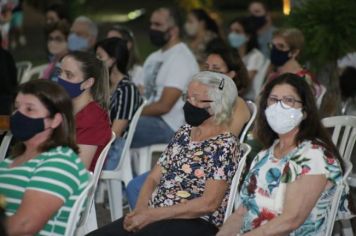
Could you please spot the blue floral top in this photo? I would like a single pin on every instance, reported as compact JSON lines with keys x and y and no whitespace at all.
{"x":262,"y":193}
{"x":187,"y":165}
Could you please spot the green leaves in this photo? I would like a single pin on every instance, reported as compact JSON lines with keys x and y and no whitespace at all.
{"x":329,"y":28}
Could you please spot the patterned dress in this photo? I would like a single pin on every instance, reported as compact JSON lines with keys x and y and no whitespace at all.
{"x":187,"y":165}
{"x":263,"y":190}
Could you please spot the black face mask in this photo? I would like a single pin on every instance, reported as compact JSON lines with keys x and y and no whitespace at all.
{"x":158,"y":38}
{"x":193,"y":115}
{"x":279,"y":57}
{"x":257,"y":21}
{"x":23,"y":127}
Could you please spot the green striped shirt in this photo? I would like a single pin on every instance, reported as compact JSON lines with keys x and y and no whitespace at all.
{"x":58,"y":172}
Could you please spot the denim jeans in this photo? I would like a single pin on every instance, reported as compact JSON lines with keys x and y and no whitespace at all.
{"x":151,"y":130}
{"x":134,"y":187}
{"x":114,"y":154}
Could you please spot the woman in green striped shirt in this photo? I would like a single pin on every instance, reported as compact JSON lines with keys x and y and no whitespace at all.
{"x":43,"y":176}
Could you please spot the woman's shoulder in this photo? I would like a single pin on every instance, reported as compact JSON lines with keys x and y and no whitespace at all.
{"x":92,"y":114}
{"x":63,"y":156}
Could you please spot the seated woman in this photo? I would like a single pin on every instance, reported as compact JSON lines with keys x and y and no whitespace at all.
{"x":86,"y":80}
{"x":186,"y":193}
{"x":125,"y":97}
{"x":221,"y":60}
{"x":43,"y":176}
{"x":134,"y":66}
{"x":286,"y":47}
{"x":226,"y":62}
{"x":292,"y":180}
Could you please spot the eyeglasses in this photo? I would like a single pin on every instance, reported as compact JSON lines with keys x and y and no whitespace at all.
{"x":286,"y":101}
{"x":186,"y":98}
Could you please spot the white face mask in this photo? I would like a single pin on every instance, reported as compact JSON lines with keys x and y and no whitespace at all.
{"x":191,"y":29}
{"x":282,"y":120}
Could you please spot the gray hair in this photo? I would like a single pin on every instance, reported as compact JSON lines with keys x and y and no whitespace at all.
{"x":222,"y":91}
{"x":93,"y":28}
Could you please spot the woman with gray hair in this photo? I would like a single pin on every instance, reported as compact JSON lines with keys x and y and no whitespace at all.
{"x":187,"y":191}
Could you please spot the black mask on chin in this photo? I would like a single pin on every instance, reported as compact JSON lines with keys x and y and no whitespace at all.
{"x":158,"y":38}
{"x":195,"y":116}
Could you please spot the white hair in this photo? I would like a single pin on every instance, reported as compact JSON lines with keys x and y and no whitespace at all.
{"x":222,"y":91}
{"x":93,"y":28}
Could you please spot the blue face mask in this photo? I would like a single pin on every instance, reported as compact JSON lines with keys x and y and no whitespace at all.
{"x":77,"y":43}
{"x":236,"y":39}
{"x":73,"y":89}
{"x":279,"y":57}
{"x":23,"y":127}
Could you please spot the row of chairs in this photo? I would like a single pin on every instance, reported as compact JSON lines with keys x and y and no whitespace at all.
{"x":25,"y":71}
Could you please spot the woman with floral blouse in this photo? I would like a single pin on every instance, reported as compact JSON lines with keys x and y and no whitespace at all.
{"x":186,"y":193}
{"x":291,"y":183}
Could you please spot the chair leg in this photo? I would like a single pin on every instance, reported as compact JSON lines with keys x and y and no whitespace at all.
{"x":127,"y":175}
{"x":115,"y":199}
{"x":143,"y":161}
{"x":100,"y":192}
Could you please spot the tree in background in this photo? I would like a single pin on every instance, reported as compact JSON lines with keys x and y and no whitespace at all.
{"x":329,"y":28}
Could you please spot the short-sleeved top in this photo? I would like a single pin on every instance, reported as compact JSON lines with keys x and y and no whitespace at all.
{"x":58,"y":172}
{"x":93,"y":128}
{"x":262,"y":192}
{"x":173,"y":68}
{"x":187,"y":165}
{"x":124,"y":102}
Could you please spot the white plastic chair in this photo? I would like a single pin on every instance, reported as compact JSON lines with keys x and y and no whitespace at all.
{"x":76,"y":211}
{"x":5,"y":145}
{"x":36,"y":71}
{"x":253,"y":110}
{"x":123,"y":171}
{"x":319,"y":100}
{"x":234,"y":196}
{"x":22,"y":68}
{"x":89,"y":222}
{"x":345,"y":125}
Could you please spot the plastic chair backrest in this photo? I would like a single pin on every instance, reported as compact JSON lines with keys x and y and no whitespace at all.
{"x":22,"y":68}
{"x":130,"y":134}
{"x":96,"y":175}
{"x":245,"y":149}
{"x":253,"y":110}
{"x":5,"y":145}
{"x":37,"y":70}
{"x":76,"y":211}
{"x":319,"y":100}
{"x":345,"y":125}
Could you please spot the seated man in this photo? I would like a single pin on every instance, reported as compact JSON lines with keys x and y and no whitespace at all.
{"x":166,"y":72}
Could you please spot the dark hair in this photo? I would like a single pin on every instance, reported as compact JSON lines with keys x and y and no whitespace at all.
{"x":249,"y":30}
{"x":92,"y":67}
{"x":116,"y":48}
{"x":310,"y":128}
{"x":263,"y":3}
{"x":348,"y":82}
{"x":59,"y":9}
{"x":210,"y":23}
{"x":233,"y":62}
{"x":128,"y":35}
{"x":56,"y":100}
{"x":174,"y":16}
{"x":61,"y":26}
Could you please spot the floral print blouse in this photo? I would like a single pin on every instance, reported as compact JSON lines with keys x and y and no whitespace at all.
{"x":186,"y":166}
{"x":262,"y":193}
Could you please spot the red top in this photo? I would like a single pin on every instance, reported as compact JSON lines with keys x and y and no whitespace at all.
{"x":93,"y":128}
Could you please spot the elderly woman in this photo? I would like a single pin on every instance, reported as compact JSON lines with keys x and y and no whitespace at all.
{"x":44,"y":175}
{"x":186,"y":193}
{"x":291,"y":182}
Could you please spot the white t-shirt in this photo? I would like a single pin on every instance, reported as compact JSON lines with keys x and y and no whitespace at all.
{"x":136,"y":74}
{"x":172,"y":68}
{"x":254,"y":61}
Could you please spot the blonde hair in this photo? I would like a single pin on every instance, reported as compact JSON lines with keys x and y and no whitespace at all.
{"x":293,"y":37}
{"x":94,"y":68}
